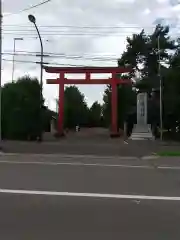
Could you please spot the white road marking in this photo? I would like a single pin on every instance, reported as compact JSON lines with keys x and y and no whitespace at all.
{"x":89,"y":195}
{"x":169,"y":167}
{"x":80,"y":164}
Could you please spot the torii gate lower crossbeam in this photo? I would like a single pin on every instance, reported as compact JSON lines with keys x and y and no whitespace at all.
{"x":113,"y":81}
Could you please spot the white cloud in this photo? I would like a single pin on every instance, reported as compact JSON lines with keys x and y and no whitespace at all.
{"x":146,"y":11}
{"x":174,"y":2}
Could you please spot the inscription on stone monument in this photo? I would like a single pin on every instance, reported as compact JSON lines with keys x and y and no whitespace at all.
{"x":142,"y":109}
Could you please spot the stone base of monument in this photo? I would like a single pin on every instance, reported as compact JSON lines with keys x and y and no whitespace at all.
{"x":142,"y":132}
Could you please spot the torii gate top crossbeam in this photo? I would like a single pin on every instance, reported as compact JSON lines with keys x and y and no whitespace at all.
{"x":114,"y":70}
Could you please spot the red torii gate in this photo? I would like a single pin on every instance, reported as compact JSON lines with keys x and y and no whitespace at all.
{"x":113,"y":81}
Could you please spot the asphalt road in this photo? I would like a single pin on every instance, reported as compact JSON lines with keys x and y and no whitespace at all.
{"x":107,"y":147}
{"x":81,"y":197}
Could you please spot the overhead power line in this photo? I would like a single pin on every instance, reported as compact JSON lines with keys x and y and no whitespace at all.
{"x":64,"y":57}
{"x":53,"y":54}
{"x":65,"y":34}
{"x":71,"y":35}
{"x":28,"y":8}
{"x":81,"y":27}
{"x":23,"y":61}
{"x":88,"y":26}
{"x":67,"y":30}
{"x":74,"y":32}
{"x":50,"y":29}
{"x":104,"y":57}
{"x":59,"y":54}
{"x":68,"y":33}
{"x":33,"y":62}
{"x":30,"y":36}
{"x":59,"y":32}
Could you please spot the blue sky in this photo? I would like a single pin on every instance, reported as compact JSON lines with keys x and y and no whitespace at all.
{"x":89,"y":32}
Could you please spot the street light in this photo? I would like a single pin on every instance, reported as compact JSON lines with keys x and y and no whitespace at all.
{"x":33,"y":20}
{"x":14,"y":50}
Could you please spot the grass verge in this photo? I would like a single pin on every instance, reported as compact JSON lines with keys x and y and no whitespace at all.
{"x":169,"y":154}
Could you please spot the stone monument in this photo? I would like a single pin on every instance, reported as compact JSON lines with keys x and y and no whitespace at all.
{"x":142,"y":130}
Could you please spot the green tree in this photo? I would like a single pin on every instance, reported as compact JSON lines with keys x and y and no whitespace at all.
{"x":75,"y":108}
{"x":21,"y":117}
{"x":95,"y":115}
{"x":142,"y":53}
{"x":135,"y":52}
{"x":126,"y":104}
{"x":171,"y":95}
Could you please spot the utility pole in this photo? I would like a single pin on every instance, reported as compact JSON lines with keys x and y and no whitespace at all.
{"x":0,"y":66}
{"x":160,"y":88}
{"x":14,"y":51}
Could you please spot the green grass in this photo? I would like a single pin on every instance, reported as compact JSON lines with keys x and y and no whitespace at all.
{"x":169,"y":154}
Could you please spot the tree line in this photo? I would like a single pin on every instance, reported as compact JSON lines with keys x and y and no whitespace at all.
{"x":151,"y":56}
{"x":24,"y":115}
